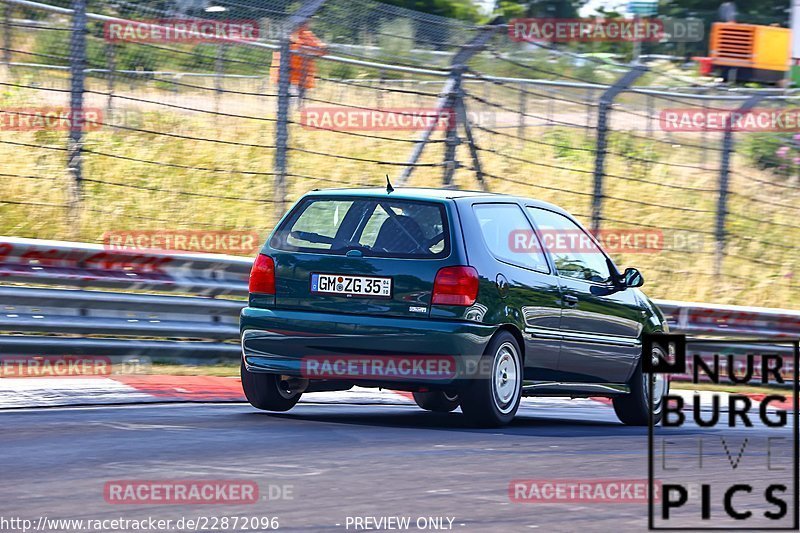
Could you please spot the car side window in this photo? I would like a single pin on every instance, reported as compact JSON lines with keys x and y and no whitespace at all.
{"x":509,"y":236}
{"x":574,"y":252}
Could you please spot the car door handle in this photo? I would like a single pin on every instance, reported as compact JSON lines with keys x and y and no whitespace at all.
{"x":570,"y":300}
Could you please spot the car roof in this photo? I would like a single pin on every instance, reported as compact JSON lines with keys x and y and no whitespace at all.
{"x":415,"y":193}
{"x":426,"y":193}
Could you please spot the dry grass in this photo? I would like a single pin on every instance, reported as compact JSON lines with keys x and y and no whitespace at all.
{"x":238,"y":192}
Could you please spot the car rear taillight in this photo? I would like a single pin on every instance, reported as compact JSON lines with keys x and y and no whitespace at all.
{"x":456,"y":285}
{"x":262,"y":275}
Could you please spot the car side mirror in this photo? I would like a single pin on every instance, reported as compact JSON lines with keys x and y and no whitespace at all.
{"x":632,"y":278}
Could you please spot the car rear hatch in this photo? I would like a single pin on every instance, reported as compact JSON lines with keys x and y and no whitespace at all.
{"x":372,"y":255}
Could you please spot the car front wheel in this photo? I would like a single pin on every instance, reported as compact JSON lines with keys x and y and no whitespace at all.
{"x":269,"y":392}
{"x":633,"y":408}
{"x":492,"y":399}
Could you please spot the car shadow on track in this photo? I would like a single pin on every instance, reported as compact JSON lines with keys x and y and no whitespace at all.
{"x":523,"y":424}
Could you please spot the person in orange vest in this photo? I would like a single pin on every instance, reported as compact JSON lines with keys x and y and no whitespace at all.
{"x":302,"y":68}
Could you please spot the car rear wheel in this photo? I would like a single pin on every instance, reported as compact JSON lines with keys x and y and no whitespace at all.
{"x":492,"y":399}
{"x":437,"y":401}
{"x":269,"y":392}
{"x":633,"y":408}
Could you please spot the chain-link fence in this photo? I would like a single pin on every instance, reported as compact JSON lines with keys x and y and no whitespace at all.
{"x":195,"y":114}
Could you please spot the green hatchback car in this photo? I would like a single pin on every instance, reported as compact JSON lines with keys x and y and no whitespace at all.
{"x":466,"y":299}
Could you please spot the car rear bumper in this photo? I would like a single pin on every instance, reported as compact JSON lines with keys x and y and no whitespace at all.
{"x":284,"y":341}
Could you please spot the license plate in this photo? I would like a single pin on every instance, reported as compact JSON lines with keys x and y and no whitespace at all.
{"x":351,"y":285}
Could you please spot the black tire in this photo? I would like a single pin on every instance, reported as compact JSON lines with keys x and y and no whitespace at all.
{"x":264,"y":391}
{"x":492,"y":399}
{"x":633,"y":408}
{"x":436,"y":401}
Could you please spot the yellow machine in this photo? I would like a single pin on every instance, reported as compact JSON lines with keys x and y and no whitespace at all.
{"x":748,"y":52}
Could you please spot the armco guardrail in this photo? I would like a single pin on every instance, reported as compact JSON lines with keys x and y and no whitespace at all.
{"x":61,"y":311}
{"x":730,"y":320}
{"x":43,"y":262}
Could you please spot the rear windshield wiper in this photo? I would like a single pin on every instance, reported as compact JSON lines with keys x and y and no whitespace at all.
{"x":311,"y":237}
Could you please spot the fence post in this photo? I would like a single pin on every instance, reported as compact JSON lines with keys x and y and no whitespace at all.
{"x":451,"y":95}
{"x":77,"y":53}
{"x":523,"y":100}
{"x":704,"y":134}
{"x":463,"y":118}
{"x":7,"y":35}
{"x":219,"y":72}
{"x":379,"y":92}
{"x":603,"y":111}
{"x":111,"y":64}
{"x":724,"y":181}
{"x":451,"y":138}
{"x":301,"y":15}
{"x":588,"y":101}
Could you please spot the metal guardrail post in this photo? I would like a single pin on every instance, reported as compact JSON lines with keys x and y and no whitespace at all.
{"x":77,"y":52}
{"x":301,"y":15}
{"x":606,"y":100}
{"x":724,"y":182}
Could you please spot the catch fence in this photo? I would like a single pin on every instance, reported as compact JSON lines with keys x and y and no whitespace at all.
{"x":217,"y":133}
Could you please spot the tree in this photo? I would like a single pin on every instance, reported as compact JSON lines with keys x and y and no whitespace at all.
{"x":539,"y":8}
{"x":456,"y":9}
{"x":749,"y":11}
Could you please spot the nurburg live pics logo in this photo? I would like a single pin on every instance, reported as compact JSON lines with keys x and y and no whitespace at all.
{"x":733,"y":464}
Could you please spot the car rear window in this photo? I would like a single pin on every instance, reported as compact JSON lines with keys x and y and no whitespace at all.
{"x":378,"y":227}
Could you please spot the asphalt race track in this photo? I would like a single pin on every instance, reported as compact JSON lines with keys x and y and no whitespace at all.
{"x":322,"y":463}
